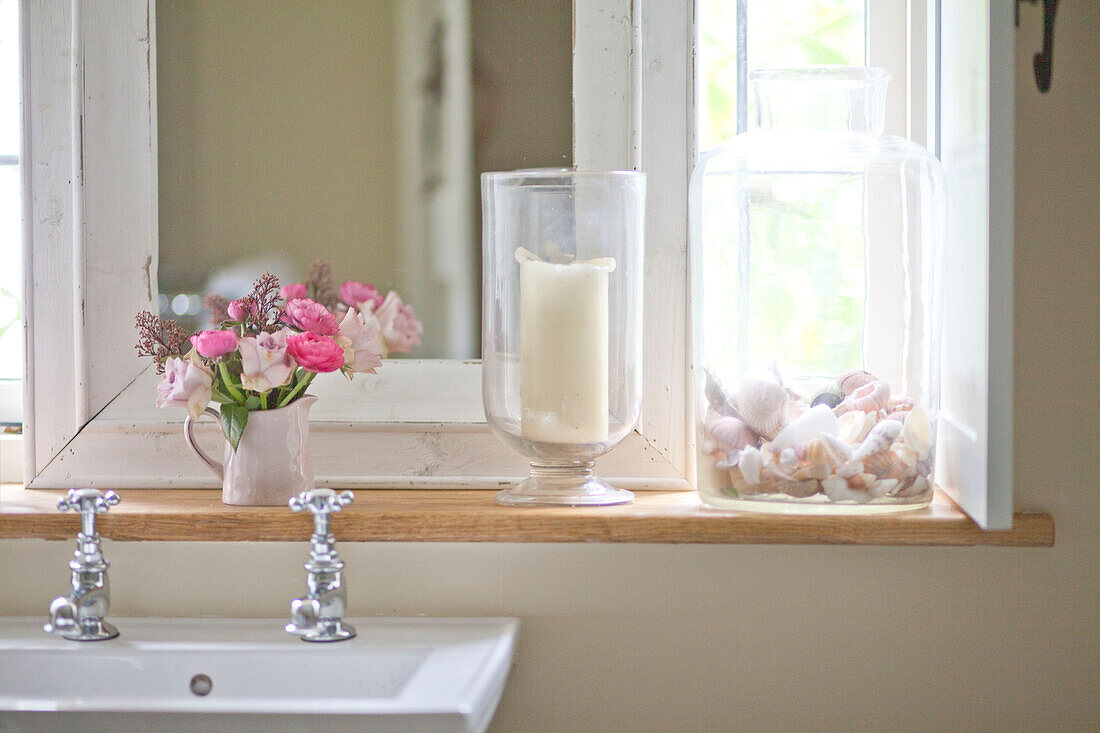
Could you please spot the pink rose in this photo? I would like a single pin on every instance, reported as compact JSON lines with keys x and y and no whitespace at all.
{"x":354,"y":293}
{"x":186,"y":383}
{"x":309,"y":315}
{"x":399,"y":327}
{"x":213,"y":344}
{"x":241,"y":308}
{"x":362,"y":352}
{"x":293,"y":291}
{"x":265,"y":363}
{"x":315,"y":353}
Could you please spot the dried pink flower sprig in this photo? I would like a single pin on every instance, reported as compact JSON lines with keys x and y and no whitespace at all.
{"x":263,"y":355}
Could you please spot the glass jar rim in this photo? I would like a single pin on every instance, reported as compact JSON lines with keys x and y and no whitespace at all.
{"x":557,"y":175}
{"x":825,"y":73}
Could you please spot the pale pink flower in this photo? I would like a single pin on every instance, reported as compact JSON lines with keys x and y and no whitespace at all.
{"x":398,"y":325}
{"x":293,"y":291}
{"x":354,"y":293}
{"x":213,"y":344}
{"x":241,"y":308}
{"x":265,"y":363}
{"x":186,"y":383}
{"x":362,"y":352}
{"x":309,"y":315}
{"x":315,"y":353}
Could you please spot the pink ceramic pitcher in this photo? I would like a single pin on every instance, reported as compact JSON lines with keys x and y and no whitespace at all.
{"x":272,"y":461}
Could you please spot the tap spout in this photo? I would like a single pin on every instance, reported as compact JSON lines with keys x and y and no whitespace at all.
{"x":79,"y":615}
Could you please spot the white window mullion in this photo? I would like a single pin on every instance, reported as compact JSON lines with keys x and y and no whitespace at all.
{"x":888,"y":48}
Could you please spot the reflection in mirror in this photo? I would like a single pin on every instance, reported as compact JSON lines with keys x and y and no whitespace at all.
{"x":354,"y":131}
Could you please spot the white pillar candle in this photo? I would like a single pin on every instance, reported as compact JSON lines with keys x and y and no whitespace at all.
{"x":563,"y":349}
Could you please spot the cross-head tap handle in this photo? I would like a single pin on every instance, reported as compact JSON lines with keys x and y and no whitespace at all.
{"x":88,"y":502}
{"x":321,"y":502}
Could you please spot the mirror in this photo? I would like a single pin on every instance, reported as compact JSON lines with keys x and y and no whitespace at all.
{"x":353,"y":131}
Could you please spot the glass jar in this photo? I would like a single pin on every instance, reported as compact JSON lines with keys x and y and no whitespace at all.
{"x":815,"y":247}
{"x":561,"y":325}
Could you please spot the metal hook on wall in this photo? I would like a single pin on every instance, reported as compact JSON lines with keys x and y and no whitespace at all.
{"x":1043,"y":61}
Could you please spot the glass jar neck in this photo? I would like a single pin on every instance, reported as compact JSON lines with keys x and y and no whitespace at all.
{"x":820,"y":99}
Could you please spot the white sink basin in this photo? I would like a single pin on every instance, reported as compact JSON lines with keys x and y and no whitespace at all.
{"x":399,"y":674}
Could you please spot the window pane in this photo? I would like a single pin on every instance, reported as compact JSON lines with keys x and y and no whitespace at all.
{"x":776,"y":34}
{"x":11,"y":337}
{"x":9,"y":78}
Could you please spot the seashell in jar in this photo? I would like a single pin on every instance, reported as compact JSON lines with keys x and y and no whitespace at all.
{"x":906,"y":458}
{"x":917,"y":433}
{"x":810,"y":471}
{"x":881,"y":437}
{"x":883,"y":486}
{"x":852,"y":427}
{"x":862,"y":481}
{"x":719,"y":400}
{"x":749,"y":464}
{"x":915,"y":486}
{"x":830,"y":396}
{"x":871,"y":397}
{"x":799,"y":489}
{"x":816,"y":459}
{"x":889,"y":464}
{"x":729,"y":433}
{"x":740,"y":484}
{"x":837,"y":489}
{"x":901,"y":404}
{"x":763,"y":406}
{"x":849,"y":469}
{"x":840,"y":451}
{"x":853,"y":379}
{"x":819,"y":420}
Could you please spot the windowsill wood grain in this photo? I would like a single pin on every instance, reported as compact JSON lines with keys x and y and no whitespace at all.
{"x":472,"y":516}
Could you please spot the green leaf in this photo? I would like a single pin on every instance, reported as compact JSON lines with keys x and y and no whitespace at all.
{"x":234,"y":418}
{"x":252,"y":402}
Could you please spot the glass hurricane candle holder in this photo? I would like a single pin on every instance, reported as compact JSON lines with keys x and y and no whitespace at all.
{"x":561,"y":325}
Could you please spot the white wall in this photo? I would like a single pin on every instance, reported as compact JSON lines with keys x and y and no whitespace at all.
{"x":686,"y":638}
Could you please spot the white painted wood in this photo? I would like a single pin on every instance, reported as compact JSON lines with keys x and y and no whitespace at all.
{"x":90,"y":148}
{"x":50,"y":391}
{"x":644,"y":95}
{"x":365,"y":433}
{"x":887,"y":48}
{"x":421,"y":426}
{"x":605,"y":93}
{"x":974,"y":457}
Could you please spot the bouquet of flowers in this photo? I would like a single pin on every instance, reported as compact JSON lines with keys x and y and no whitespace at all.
{"x":268,"y":346}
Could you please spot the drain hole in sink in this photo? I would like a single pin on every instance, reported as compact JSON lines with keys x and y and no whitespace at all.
{"x":201,"y":685}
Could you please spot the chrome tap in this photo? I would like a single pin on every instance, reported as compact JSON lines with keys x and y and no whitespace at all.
{"x":79,"y":615}
{"x":318,"y":616}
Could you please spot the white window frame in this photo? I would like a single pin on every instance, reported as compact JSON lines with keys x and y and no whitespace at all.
{"x":91,"y":250}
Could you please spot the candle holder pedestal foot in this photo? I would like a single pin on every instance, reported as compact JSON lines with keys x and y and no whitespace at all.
{"x":564,"y":485}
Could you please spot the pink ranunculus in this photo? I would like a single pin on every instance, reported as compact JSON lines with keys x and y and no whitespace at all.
{"x":241,"y":308}
{"x":315,"y":353}
{"x":400,"y":329}
{"x":186,"y":383}
{"x":354,"y":293}
{"x":309,"y":315}
{"x":293,"y":291}
{"x":362,"y":352}
{"x":213,"y":344}
{"x":265,"y":363}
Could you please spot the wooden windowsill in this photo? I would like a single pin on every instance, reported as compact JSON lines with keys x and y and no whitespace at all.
{"x":473,"y":516}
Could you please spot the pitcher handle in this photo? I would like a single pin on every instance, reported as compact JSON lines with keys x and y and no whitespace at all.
{"x":188,"y":435}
